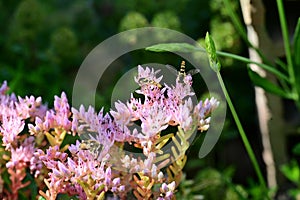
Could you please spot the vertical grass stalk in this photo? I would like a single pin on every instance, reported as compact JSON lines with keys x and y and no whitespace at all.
{"x":287,"y":46}
{"x":216,"y":66}
{"x":243,"y":134}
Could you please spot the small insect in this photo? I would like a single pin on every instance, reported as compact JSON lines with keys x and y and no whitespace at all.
{"x":181,"y":73}
{"x":155,"y":83}
{"x":134,"y":108}
{"x":146,"y":81}
{"x":182,"y":69}
{"x":93,"y":146}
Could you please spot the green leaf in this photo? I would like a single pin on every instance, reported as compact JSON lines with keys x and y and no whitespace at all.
{"x":297,"y":44}
{"x":212,"y":53}
{"x":296,"y":149}
{"x":32,"y":186}
{"x":173,"y":47}
{"x":51,"y":139}
{"x":66,"y":197}
{"x":296,"y":58}
{"x":294,"y":192}
{"x":291,"y":171}
{"x":267,"y":85}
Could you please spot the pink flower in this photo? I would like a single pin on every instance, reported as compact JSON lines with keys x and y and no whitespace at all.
{"x":183,"y":115}
{"x":51,"y":156}
{"x":75,"y":189}
{"x":4,"y":88}
{"x":90,"y":125}
{"x":134,"y":106}
{"x":162,"y":107}
{"x":79,"y":168}
{"x":10,"y":128}
{"x":180,"y":91}
{"x":30,"y":107}
{"x":167,"y":190}
{"x":93,"y":165}
{"x":57,"y":118}
{"x":5,"y":99}
{"x":202,"y":112}
{"x":123,"y":115}
{"x":24,"y":156}
{"x":154,"y":118}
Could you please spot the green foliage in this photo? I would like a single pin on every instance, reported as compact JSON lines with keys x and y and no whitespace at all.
{"x":173,"y":22}
{"x":172,"y":47}
{"x":296,"y":58}
{"x":32,"y":187}
{"x":217,"y":7}
{"x":150,"y":7}
{"x":267,"y":85}
{"x":63,"y":197}
{"x":63,"y":47}
{"x":256,"y":192}
{"x":133,"y":20}
{"x":211,"y":184}
{"x":292,"y":172}
{"x":27,"y":22}
{"x":296,"y":149}
{"x":228,"y":39}
{"x":297,"y":44}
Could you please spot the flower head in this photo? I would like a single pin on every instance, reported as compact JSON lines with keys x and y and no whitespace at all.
{"x":4,"y":88}
{"x":202,"y":112}
{"x":24,"y":156}
{"x":10,"y":128}
{"x":54,"y":119}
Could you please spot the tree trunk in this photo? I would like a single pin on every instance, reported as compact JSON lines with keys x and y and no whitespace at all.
{"x":269,"y":107}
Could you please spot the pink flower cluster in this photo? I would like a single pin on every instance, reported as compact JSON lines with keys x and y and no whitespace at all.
{"x":170,"y":105}
{"x":99,"y":165}
{"x":18,"y":154}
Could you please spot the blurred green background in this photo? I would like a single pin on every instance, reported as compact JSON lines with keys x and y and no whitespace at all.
{"x":43,"y":43}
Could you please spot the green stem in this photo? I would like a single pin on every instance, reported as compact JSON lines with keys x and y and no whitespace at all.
{"x":269,"y":68}
{"x":247,"y":60}
{"x":287,"y":47}
{"x":243,"y":134}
